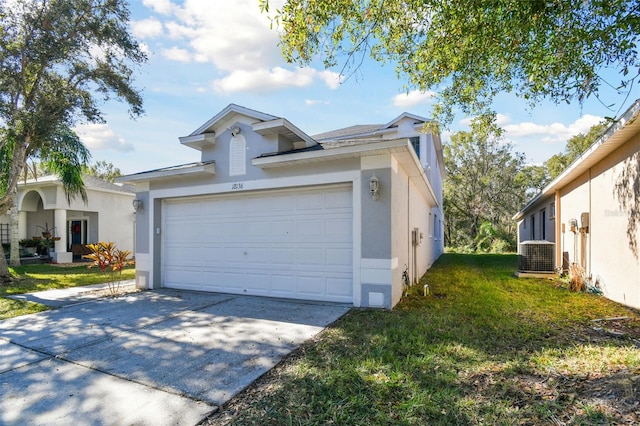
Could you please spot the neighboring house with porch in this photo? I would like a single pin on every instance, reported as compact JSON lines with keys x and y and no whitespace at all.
{"x":108,"y":215}
{"x":591,"y":213}
{"x":271,"y":211}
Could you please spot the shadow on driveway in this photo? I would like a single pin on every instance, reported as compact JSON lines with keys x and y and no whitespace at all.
{"x":155,"y":357}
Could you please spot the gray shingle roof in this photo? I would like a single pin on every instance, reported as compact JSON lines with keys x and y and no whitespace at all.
{"x":348,"y":131}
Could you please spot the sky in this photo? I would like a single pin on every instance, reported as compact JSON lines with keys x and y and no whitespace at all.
{"x":206,"y":54}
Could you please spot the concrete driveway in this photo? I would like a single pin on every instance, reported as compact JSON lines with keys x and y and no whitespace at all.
{"x":151,"y":358}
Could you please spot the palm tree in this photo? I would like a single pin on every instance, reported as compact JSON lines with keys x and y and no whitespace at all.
{"x":63,"y":155}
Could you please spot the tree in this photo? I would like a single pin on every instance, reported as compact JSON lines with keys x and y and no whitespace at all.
{"x":574,"y":148}
{"x":63,"y":155}
{"x":481,"y":191}
{"x":533,"y":179}
{"x":103,"y":170}
{"x":470,"y":50}
{"x":58,"y":60}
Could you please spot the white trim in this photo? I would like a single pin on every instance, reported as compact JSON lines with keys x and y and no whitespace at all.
{"x":351,"y":178}
{"x":254,"y":185}
{"x":375,"y":162}
{"x":144,"y":177}
{"x":231,"y":109}
{"x":357,"y":239}
{"x":379,"y":263}
{"x":273,"y":126}
{"x":142,"y":261}
{"x":387,"y":146}
{"x":378,"y":271}
{"x":151,"y":214}
{"x":198,"y":142}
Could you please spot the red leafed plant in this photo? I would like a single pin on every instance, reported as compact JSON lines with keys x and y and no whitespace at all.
{"x":110,"y":260}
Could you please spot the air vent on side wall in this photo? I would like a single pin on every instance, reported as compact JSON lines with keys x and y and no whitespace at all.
{"x":536,"y":256}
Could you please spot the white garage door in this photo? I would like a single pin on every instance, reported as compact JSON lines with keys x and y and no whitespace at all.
{"x":294,"y":243}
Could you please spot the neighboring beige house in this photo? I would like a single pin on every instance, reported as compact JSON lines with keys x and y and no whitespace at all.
{"x":271,"y":211}
{"x":591,"y":213}
{"x":108,"y":215}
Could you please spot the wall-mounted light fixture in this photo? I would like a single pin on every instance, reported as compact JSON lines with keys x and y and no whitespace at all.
{"x":137,"y":205}
{"x":374,"y":187}
{"x":235,"y":130}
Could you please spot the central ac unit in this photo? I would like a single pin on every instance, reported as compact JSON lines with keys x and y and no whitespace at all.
{"x":536,"y":256}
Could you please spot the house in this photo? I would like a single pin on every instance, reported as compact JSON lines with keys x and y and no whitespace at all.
{"x":271,"y":211}
{"x":591,"y":212}
{"x":108,"y":215}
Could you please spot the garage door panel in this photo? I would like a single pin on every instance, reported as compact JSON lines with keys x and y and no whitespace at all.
{"x":339,"y":257}
{"x":338,"y":200}
{"x":295,"y":244}
{"x":310,"y":286}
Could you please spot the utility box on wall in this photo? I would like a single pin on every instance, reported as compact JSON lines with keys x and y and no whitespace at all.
{"x":584,"y":221}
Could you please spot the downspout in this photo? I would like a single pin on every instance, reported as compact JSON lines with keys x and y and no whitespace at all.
{"x":588,"y":234}
{"x":408,"y":224}
{"x":558,"y":226}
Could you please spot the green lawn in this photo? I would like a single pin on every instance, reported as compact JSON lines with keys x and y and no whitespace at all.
{"x":483,"y":348}
{"x":30,"y":278}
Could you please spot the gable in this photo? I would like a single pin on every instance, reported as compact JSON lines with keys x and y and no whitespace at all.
{"x":236,"y":119}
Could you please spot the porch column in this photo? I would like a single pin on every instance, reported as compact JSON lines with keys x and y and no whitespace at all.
{"x":60,"y":222}
{"x":22,"y":225}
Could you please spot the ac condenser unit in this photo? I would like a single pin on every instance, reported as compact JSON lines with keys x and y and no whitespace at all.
{"x":536,"y":256}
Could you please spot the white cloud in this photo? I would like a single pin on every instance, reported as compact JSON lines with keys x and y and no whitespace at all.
{"x":235,"y":37}
{"x":311,"y":102}
{"x":163,"y":7}
{"x":330,"y":78}
{"x":101,"y":136}
{"x":177,"y":31}
{"x":264,"y":80}
{"x":147,"y":28}
{"x":501,"y":120}
{"x":554,"y":132}
{"x":231,"y":35}
{"x":413,"y":98}
{"x":177,"y":54}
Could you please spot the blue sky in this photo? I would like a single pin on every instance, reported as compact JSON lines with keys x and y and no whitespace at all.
{"x":206,"y":54}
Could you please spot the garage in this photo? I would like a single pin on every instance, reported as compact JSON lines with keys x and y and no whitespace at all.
{"x":292,"y":243}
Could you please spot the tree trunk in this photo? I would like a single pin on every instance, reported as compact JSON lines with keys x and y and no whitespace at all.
{"x":5,"y":275}
{"x":13,"y":230}
{"x":7,"y":199}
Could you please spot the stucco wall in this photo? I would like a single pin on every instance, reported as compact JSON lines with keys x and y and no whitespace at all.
{"x":381,"y":233}
{"x":608,"y":250}
{"x":575,"y":201}
{"x":614,"y":260}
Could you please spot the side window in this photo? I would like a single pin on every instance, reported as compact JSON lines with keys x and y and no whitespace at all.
{"x":415,"y":143}
{"x":533,"y":227}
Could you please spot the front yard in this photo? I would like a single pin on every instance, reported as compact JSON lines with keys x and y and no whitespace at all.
{"x":30,"y":278}
{"x":482,"y":348}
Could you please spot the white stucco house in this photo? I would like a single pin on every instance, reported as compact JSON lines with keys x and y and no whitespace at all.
{"x":271,"y":211}
{"x":590,"y":214}
{"x":108,"y":215}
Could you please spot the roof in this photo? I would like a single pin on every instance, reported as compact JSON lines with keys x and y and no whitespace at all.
{"x":616,"y":135}
{"x":368,"y":130}
{"x":347,"y":131}
{"x":261,"y":123}
{"x":188,"y":169}
{"x":90,"y":182}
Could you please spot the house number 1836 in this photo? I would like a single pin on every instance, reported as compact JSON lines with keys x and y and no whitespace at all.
{"x":236,"y":186}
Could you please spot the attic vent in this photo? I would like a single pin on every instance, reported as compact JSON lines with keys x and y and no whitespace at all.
{"x":536,"y":256}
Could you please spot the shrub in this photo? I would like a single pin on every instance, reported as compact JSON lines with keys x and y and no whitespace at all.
{"x":110,"y":260}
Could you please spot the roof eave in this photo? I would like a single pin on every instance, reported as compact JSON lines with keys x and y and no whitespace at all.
{"x":155,"y":175}
{"x":611,"y":139}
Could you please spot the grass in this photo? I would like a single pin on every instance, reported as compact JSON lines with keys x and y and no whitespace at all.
{"x":483,"y":348}
{"x":31,"y":278}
